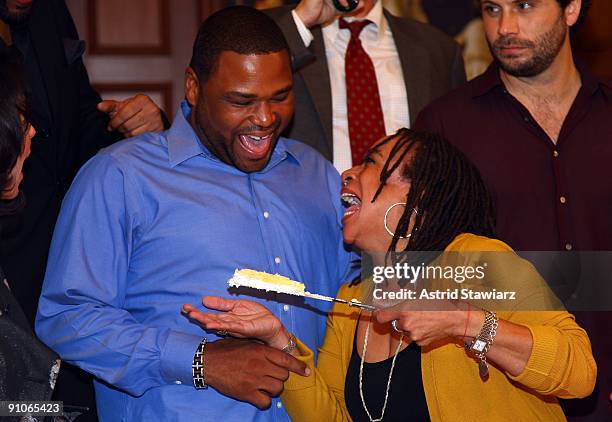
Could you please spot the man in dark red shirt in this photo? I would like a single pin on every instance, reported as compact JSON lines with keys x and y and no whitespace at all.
{"x":539,"y":128}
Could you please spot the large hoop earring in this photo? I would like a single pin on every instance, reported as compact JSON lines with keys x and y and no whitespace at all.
{"x":387,"y":213}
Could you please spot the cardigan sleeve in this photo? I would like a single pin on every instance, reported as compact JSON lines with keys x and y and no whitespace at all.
{"x":561,"y":363}
{"x":320,"y":396}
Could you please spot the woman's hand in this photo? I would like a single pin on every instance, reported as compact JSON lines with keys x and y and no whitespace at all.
{"x":240,"y":318}
{"x":426,"y":322}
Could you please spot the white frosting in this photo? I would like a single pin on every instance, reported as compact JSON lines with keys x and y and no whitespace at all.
{"x":240,"y":280}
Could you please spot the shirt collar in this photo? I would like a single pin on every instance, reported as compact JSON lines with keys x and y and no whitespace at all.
{"x":376,"y":16}
{"x":491,"y":79}
{"x":486,"y":82}
{"x":183,"y":143}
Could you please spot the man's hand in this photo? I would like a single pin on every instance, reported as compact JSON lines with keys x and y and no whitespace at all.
{"x":249,"y":371}
{"x":317,"y":12}
{"x":133,"y":116}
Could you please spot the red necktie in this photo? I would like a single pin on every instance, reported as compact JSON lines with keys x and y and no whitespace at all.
{"x":365,"y":117}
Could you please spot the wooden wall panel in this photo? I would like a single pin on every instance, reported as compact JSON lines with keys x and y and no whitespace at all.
{"x":129,"y":27}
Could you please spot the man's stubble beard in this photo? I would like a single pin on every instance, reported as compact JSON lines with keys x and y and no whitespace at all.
{"x":545,"y":50}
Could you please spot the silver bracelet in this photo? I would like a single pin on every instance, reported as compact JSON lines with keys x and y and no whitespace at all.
{"x":482,"y":343}
{"x":197,"y":367}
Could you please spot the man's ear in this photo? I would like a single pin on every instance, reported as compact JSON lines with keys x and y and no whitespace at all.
{"x":572,"y":12}
{"x":192,"y":86}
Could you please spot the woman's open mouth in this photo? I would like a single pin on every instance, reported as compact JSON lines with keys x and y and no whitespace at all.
{"x":256,"y":147}
{"x":351,"y":202}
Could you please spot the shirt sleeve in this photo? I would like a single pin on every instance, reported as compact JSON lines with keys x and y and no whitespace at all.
{"x":304,"y":32}
{"x":297,"y":35}
{"x":561,"y":363}
{"x":80,"y":313}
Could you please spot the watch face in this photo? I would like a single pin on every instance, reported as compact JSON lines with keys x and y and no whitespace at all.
{"x":479,"y":345}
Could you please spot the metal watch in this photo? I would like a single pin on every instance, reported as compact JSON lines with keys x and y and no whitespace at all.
{"x":482,"y":343}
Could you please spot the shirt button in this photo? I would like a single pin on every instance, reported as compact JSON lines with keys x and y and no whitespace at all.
{"x":527,"y":119}
{"x":277,"y":260}
{"x":562,"y":200}
{"x":555,"y":153}
{"x":266,"y":214}
{"x":177,"y":382}
{"x":286,"y":308}
{"x":279,"y":405}
{"x":568,"y":246}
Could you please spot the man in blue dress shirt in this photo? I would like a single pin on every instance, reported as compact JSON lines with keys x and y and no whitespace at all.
{"x":163,"y":219}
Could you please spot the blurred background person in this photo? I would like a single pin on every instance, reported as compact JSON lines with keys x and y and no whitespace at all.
{"x":28,"y":369}
{"x":72,"y":125}
{"x":367,"y":60}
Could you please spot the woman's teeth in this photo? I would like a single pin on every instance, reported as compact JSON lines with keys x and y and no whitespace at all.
{"x":351,"y":202}
{"x":349,"y":199}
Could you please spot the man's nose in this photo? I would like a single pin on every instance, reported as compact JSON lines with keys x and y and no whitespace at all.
{"x":508,"y":23}
{"x":263,"y":116}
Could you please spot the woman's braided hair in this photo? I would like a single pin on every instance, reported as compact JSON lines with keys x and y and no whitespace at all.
{"x":446,"y":190}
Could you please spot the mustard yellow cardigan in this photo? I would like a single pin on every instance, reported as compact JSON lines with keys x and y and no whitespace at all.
{"x":561,"y":365}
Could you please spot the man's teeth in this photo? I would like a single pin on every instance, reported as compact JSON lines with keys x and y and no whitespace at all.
{"x":258,"y":138}
{"x":349,"y":200}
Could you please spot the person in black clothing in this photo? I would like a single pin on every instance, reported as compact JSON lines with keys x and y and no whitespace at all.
{"x":72,"y":125}
{"x":28,"y":369}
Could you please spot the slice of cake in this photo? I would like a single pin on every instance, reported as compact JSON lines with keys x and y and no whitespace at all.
{"x":269,"y":282}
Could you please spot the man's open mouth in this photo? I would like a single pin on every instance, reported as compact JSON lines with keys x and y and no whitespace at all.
{"x":256,"y":146}
{"x":351,"y":202}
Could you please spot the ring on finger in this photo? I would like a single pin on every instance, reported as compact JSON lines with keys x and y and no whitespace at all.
{"x":394,"y":325}
{"x":221,"y":333}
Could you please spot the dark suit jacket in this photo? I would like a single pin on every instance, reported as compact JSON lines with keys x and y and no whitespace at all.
{"x":431,"y":63}
{"x":69,"y":131}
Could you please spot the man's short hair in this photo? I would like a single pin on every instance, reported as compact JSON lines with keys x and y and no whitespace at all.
{"x":241,"y":29}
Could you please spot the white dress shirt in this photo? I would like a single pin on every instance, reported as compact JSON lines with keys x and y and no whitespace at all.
{"x":377,"y":41}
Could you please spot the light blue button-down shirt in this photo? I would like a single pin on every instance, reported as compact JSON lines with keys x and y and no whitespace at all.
{"x":156,"y":221}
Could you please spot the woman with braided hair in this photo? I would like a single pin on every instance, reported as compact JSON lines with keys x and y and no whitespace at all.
{"x":414,"y":193}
